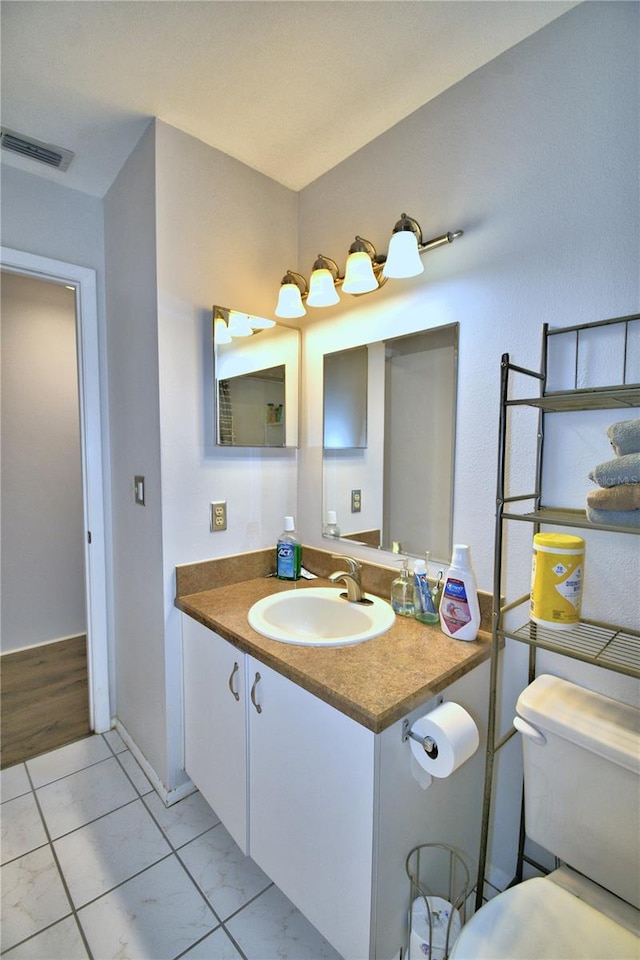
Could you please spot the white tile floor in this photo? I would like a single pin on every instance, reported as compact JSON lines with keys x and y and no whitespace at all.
{"x":95,"y":866}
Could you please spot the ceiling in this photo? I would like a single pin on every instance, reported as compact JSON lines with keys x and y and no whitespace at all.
{"x":290,"y":88}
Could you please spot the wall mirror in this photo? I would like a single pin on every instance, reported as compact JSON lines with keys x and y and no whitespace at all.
{"x":395,"y":492}
{"x":256,"y":385}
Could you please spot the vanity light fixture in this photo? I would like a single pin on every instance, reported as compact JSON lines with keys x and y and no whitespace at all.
{"x":293,"y":287}
{"x":360,"y":272}
{"x":405,"y":247}
{"x":322,"y":286}
{"x":228,"y":324}
{"x":238,"y":324}
{"x":366,"y":269}
{"x":260,"y":323}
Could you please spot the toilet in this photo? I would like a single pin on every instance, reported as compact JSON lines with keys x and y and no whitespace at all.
{"x":582,"y":802}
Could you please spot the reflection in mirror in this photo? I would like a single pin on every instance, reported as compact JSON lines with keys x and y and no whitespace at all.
{"x":257,"y":388}
{"x":251,"y":409}
{"x":345,"y":399}
{"x":396,"y":493}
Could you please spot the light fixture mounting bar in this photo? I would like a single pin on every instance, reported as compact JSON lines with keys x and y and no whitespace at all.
{"x":439,"y":241}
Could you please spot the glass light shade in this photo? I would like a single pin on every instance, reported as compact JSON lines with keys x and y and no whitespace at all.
{"x":239,"y":324}
{"x":221,"y":332}
{"x":322,"y":290}
{"x":290,"y":303}
{"x":403,"y":259}
{"x":260,"y":323}
{"x":359,"y":276}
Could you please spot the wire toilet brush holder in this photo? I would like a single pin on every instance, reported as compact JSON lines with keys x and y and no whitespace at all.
{"x":439,"y":888}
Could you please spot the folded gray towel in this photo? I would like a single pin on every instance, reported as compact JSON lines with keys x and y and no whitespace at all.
{"x":624,"y":469}
{"x":614,"y":518}
{"x":625,"y":436}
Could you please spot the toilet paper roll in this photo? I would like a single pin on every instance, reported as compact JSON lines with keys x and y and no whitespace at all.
{"x":419,"y":775}
{"x":455,"y":734}
{"x":445,"y":928}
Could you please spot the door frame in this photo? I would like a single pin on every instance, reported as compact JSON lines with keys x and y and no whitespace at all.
{"x":95,"y":544}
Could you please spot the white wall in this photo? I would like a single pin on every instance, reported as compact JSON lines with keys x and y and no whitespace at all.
{"x":535,"y":156}
{"x":223,"y":232}
{"x":42,"y":519}
{"x":186,"y":227}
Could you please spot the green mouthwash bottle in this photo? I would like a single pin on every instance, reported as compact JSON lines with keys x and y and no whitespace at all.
{"x":288,"y":552}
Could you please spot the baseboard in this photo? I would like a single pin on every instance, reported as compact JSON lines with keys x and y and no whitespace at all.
{"x":168,"y":797}
{"x":42,"y":643}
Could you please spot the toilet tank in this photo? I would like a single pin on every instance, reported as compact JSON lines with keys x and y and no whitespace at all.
{"x":582,"y":784}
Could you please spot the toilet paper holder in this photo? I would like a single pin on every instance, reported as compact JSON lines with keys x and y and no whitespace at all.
{"x":429,"y":745}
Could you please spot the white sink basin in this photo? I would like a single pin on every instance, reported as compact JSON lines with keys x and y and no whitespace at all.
{"x":320,"y":617}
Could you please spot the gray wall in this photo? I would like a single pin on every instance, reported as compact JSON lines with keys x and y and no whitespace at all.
{"x":132,"y":337}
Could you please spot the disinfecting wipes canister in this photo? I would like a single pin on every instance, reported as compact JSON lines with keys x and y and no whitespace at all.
{"x":556,"y":580}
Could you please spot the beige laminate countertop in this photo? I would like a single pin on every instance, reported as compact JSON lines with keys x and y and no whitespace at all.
{"x":375,"y":682}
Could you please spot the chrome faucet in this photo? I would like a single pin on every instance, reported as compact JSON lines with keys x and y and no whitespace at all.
{"x":351,"y":578}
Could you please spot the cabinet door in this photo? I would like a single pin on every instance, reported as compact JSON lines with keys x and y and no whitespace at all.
{"x":312,"y":800}
{"x":215,"y":724}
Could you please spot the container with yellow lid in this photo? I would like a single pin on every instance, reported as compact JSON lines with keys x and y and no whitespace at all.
{"x":556,"y":580}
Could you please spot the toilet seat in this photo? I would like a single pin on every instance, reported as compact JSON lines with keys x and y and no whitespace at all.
{"x":539,"y":920}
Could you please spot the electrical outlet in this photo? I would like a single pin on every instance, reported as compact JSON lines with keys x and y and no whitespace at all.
{"x":356,"y":501}
{"x":218,"y":516}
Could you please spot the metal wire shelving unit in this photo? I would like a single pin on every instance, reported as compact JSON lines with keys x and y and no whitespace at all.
{"x":605,"y":644}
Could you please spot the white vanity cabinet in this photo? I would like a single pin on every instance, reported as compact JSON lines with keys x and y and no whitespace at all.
{"x":215,"y":724}
{"x":327,"y":808}
{"x":312,"y":806}
{"x":307,"y":815}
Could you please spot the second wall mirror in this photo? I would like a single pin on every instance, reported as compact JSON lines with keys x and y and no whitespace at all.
{"x":257,"y":386}
{"x":394,"y":491}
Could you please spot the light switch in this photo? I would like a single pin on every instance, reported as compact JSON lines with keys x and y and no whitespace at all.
{"x":138,"y":486}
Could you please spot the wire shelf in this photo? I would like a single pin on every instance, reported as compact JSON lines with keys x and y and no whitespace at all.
{"x":596,"y":399}
{"x":603,"y":644}
{"x":566,"y":518}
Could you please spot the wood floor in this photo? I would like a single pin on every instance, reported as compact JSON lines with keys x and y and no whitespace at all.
{"x":44,"y":699}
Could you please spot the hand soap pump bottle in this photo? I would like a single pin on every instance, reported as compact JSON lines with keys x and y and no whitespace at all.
{"x":402,"y":592}
{"x":459,"y":606}
{"x":288,"y":552}
{"x":331,"y":528}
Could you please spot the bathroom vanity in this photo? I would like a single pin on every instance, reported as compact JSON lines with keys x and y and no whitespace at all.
{"x":299,"y":750}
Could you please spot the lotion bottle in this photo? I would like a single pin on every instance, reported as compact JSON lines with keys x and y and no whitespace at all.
{"x":459,"y":605}
{"x":288,"y":552}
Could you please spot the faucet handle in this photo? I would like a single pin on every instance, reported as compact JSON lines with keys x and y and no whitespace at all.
{"x":354,"y":567}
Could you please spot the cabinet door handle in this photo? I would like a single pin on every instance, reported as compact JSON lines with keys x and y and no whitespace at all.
{"x":233,"y":673}
{"x":253,"y":694}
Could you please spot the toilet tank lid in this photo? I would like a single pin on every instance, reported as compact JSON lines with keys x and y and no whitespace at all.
{"x":604,"y":726}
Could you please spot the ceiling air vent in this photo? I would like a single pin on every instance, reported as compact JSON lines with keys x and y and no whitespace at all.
{"x":47,"y":153}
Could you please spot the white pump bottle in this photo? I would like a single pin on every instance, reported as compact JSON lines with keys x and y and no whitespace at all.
{"x":459,"y":605}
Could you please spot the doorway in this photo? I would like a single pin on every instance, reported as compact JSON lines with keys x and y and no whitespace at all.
{"x":67,"y":626}
{"x":44,"y":699}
